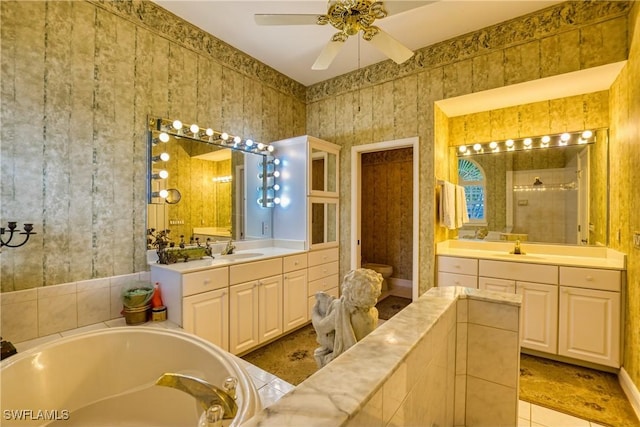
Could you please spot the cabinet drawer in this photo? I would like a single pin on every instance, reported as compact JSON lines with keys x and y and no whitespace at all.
{"x":541,"y":273}
{"x":323,"y":270}
{"x":294,"y":262}
{"x":493,"y":284}
{"x":591,"y":278}
{"x":323,"y":284}
{"x":203,"y":281}
{"x":254,"y":270}
{"x":452,"y":279}
{"x":458,"y":265}
{"x":323,"y":256}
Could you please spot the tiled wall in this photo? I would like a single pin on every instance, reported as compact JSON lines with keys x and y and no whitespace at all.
{"x":624,"y":191}
{"x":458,"y":365}
{"x":33,"y":313}
{"x":387,"y":218}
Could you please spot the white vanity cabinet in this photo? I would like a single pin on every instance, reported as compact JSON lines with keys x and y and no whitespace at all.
{"x":589,"y":315}
{"x":454,"y":271}
{"x":295,"y":278}
{"x":197,"y":301}
{"x":255,"y":304}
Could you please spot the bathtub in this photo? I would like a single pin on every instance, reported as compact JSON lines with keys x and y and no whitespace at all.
{"x":106,"y":378}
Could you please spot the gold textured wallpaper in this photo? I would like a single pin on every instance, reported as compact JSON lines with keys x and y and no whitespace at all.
{"x":78,"y":81}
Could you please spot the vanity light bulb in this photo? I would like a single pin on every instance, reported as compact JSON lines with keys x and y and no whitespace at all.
{"x":237,"y":140}
{"x":276,"y":162}
{"x":260,"y":146}
{"x":162,"y":157}
{"x":249,"y":142}
{"x":177,"y":124}
{"x":565,"y":137}
{"x":276,"y":187}
{"x":477,"y":147}
{"x":587,"y":134}
{"x":163,"y":174}
{"x":209,"y":132}
{"x":276,"y":200}
{"x":493,"y":145}
{"x":462,"y":148}
{"x":527,"y":142}
{"x":545,"y":139}
{"x":224,"y":136}
{"x":270,"y":148}
{"x":164,"y":137}
{"x":194,"y":128}
{"x":509,"y":143}
{"x":276,"y":174}
{"x":163,"y":193}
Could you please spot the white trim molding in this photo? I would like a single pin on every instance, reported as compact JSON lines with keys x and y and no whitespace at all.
{"x":630,"y":389}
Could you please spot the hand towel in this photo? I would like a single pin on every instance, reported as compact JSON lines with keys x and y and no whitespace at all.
{"x":462,"y":215}
{"x":448,"y":205}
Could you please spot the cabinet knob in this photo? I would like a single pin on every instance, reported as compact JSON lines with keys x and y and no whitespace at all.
{"x":206,"y":281}
{"x":296,"y":262}
{"x":456,"y":266}
{"x":589,"y":278}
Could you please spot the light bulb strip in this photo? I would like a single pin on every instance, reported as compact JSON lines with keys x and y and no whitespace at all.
{"x":529,"y":143}
{"x":193,"y":131}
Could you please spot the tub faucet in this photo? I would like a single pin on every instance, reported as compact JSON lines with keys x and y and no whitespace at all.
{"x":206,"y":394}
{"x":228,"y":250}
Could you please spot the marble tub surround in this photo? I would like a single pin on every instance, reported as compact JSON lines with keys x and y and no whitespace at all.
{"x":416,"y":369}
{"x":536,"y":253}
{"x":47,"y":310}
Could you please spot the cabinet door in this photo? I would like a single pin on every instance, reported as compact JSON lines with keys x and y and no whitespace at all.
{"x":323,"y":222}
{"x":270,"y":308}
{"x":539,"y":316}
{"x":294,"y":299}
{"x":323,"y":168}
{"x":207,"y":316}
{"x":243,"y":317}
{"x":589,"y":325}
{"x":501,"y":285}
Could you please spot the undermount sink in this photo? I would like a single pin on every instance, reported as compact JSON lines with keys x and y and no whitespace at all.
{"x":524,"y":257}
{"x":241,"y":255}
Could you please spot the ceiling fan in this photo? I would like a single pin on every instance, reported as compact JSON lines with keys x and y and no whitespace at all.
{"x":350,"y":17}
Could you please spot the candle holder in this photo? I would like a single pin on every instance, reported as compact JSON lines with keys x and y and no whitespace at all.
{"x":11,"y":229}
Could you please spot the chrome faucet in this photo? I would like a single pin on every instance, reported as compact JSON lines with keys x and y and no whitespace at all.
{"x":228,"y":250}
{"x":206,"y":394}
{"x":516,"y":249}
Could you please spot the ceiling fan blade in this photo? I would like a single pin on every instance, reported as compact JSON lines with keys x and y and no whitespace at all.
{"x":391,"y":47}
{"x":286,"y":19}
{"x":327,"y":55}
{"x":394,"y":7}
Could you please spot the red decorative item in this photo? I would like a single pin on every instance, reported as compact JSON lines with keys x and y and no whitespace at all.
{"x":156,"y":299}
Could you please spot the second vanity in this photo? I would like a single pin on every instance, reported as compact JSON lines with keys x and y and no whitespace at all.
{"x":572,"y":295}
{"x":246,"y":299}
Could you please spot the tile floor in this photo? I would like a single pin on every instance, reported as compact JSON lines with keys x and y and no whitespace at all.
{"x":271,"y":388}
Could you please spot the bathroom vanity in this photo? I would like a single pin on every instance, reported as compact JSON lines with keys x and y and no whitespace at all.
{"x":572,"y":295}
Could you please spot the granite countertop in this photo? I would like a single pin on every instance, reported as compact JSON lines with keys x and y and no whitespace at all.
{"x":238,"y":257}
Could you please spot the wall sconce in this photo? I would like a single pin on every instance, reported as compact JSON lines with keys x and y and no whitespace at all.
{"x":529,"y":143}
{"x":11,"y":229}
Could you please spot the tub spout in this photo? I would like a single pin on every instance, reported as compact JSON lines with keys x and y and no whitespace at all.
{"x":206,"y":394}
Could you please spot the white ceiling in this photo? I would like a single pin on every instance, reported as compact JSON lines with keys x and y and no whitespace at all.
{"x":293,"y":49}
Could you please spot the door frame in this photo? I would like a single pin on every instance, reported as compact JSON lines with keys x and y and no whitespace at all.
{"x":356,"y":193}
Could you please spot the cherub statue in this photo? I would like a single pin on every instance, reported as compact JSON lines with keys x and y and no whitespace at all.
{"x":341,"y":322}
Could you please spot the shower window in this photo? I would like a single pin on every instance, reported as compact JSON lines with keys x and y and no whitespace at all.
{"x":472,"y":178}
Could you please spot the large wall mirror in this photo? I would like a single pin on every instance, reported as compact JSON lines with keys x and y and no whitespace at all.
{"x":557,"y":194}
{"x":211,"y":190}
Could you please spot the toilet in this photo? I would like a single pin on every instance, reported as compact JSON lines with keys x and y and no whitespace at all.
{"x":385,"y":270}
